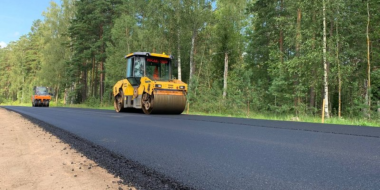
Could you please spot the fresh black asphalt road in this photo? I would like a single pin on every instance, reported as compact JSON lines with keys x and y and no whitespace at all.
{"x":229,"y":153}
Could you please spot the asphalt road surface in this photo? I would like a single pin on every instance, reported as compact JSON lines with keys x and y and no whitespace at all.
{"x":228,"y":153}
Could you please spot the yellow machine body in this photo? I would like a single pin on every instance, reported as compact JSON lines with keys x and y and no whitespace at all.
{"x":148,"y":86}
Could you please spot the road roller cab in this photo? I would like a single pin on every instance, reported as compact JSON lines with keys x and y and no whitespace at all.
{"x":149,"y":86}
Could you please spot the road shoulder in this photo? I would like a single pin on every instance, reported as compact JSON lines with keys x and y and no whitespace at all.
{"x":31,"y":158}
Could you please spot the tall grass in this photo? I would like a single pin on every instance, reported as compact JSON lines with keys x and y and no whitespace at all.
{"x":288,"y":117}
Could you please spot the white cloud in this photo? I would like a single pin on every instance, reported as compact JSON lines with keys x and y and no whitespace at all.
{"x":3,"y":44}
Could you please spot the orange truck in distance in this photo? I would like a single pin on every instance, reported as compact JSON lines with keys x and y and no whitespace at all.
{"x":41,"y":96}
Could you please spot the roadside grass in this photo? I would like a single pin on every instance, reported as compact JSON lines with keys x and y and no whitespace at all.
{"x":265,"y":116}
{"x":303,"y":118}
{"x":16,"y":103}
{"x":105,"y":107}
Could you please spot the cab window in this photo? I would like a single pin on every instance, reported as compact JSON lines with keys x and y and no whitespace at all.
{"x":138,"y":69}
{"x":129,"y":67}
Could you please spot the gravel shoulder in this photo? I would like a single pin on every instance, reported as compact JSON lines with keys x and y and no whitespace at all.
{"x":32,"y":158}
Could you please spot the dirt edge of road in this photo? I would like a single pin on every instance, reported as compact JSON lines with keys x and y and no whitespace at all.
{"x":130,"y":173}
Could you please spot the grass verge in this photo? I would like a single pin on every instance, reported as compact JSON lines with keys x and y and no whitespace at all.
{"x":304,"y":118}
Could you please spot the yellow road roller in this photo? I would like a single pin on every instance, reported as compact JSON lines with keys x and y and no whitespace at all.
{"x":149,"y":86}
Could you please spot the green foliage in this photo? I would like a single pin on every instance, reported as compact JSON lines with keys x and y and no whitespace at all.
{"x":92,"y":102}
{"x":274,"y":50}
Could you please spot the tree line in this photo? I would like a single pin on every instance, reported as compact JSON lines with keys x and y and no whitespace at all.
{"x":275,"y":56}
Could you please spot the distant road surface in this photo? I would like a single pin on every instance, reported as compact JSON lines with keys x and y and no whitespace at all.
{"x":230,"y":153}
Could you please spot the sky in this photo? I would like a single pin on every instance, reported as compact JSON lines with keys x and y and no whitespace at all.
{"x":17,"y":16}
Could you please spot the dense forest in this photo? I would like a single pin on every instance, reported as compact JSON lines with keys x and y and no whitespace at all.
{"x":238,"y":56}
